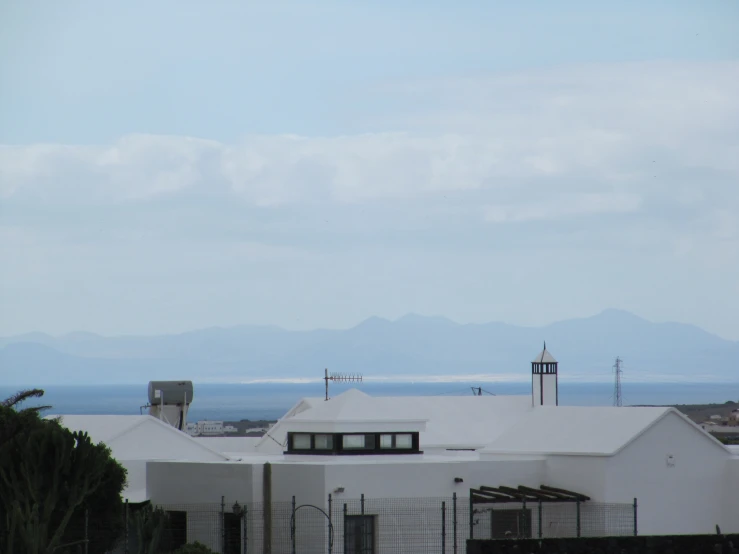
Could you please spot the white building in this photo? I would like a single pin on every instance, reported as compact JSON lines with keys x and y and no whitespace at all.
{"x":423,"y":447}
{"x":137,"y":440}
{"x":208,"y":428}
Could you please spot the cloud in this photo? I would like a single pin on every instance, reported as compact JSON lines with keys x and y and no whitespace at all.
{"x":565,"y":206}
{"x":593,"y":139}
{"x":657,"y":140}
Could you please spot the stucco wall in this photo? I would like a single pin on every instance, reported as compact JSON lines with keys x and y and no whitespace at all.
{"x":429,"y":479}
{"x":304,"y":481}
{"x":730,"y":521}
{"x":197,"y":489}
{"x":192,"y":482}
{"x":583,"y":474}
{"x":683,"y":498}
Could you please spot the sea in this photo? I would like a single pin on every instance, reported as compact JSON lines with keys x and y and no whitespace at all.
{"x":270,"y":401}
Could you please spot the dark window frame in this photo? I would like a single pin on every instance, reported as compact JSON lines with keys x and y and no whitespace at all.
{"x":175,"y":528}
{"x":354,"y":523}
{"x":338,"y":449}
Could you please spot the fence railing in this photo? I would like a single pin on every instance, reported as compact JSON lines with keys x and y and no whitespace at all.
{"x":364,"y":525}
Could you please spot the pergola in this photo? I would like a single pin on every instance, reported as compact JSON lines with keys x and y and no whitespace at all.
{"x":523,"y":495}
{"x":498,"y":495}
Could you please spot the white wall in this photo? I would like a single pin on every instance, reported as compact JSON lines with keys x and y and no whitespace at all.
{"x":197,"y":489}
{"x":429,"y":479}
{"x":583,"y":474}
{"x":730,"y":521}
{"x":681,"y":499}
{"x":549,"y":380}
{"x":305,"y":481}
{"x":192,"y":482}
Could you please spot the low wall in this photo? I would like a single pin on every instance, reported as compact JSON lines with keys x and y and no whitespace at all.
{"x":678,"y":544}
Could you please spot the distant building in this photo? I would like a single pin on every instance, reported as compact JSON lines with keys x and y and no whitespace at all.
{"x":208,"y":428}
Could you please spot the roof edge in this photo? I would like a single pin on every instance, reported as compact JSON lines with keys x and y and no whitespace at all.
{"x":668,"y":411}
{"x":186,"y":436}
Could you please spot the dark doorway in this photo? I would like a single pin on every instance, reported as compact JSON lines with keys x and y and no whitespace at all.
{"x":359,"y":535}
{"x":232,"y":533}
{"x":175,"y":534}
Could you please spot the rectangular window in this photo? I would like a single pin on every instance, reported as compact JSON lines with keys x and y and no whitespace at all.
{"x":175,"y":529}
{"x":359,"y":535}
{"x":404,"y":441}
{"x":353,"y":441}
{"x":301,"y":441}
{"x":398,"y":441}
{"x":323,"y":442}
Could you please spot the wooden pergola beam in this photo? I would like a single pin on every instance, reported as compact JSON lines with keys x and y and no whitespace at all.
{"x":503,"y":494}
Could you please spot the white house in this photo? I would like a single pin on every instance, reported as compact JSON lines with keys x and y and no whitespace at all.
{"x":436,"y":447}
{"x":137,"y":440}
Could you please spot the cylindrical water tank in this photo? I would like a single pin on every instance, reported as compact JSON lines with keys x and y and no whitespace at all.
{"x":172,"y":392}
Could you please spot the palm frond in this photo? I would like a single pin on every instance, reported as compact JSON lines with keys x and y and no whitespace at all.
{"x":21,"y":396}
{"x":36,"y":408}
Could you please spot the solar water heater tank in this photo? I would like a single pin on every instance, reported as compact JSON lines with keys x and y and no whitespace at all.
{"x":170,"y":392}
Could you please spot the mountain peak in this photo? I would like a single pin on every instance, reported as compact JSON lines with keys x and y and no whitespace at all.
{"x":417,"y":319}
{"x":613,"y":314}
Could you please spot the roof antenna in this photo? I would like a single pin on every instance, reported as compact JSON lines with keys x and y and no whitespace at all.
{"x":341,"y":378}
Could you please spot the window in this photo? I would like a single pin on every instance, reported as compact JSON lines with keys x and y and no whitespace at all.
{"x":359,"y":535}
{"x":397,"y":441}
{"x":324,"y":442}
{"x":301,"y":441}
{"x":175,"y":529}
{"x":332,"y":444}
{"x":404,"y":441}
{"x":364,"y":442}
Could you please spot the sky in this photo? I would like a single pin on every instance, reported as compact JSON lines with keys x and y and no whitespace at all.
{"x":173,"y":165}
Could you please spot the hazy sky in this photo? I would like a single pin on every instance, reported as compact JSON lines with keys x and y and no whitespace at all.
{"x":171,"y":165}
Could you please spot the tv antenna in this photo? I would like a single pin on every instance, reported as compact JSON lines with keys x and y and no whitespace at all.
{"x":617,"y":398}
{"x":341,"y":378}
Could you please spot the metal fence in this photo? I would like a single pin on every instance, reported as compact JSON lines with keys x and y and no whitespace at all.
{"x":369,"y":525}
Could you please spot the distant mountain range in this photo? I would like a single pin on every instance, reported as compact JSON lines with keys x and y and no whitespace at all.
{"x":411,"y":348}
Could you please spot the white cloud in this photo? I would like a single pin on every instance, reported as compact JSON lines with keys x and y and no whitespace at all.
{"x":656,"y":139}
{"x":565,"y":206}
{"x":608,"y":134}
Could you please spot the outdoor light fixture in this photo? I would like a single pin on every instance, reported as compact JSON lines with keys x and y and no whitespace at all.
{"x":458,"y":480}
{"x":236,"y":508}
{"x":339,"y":489}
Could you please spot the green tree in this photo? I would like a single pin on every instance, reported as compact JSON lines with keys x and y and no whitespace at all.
{"x":18,"y":398}
{"x":49,"y":476}
{"x":148,"y":528}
